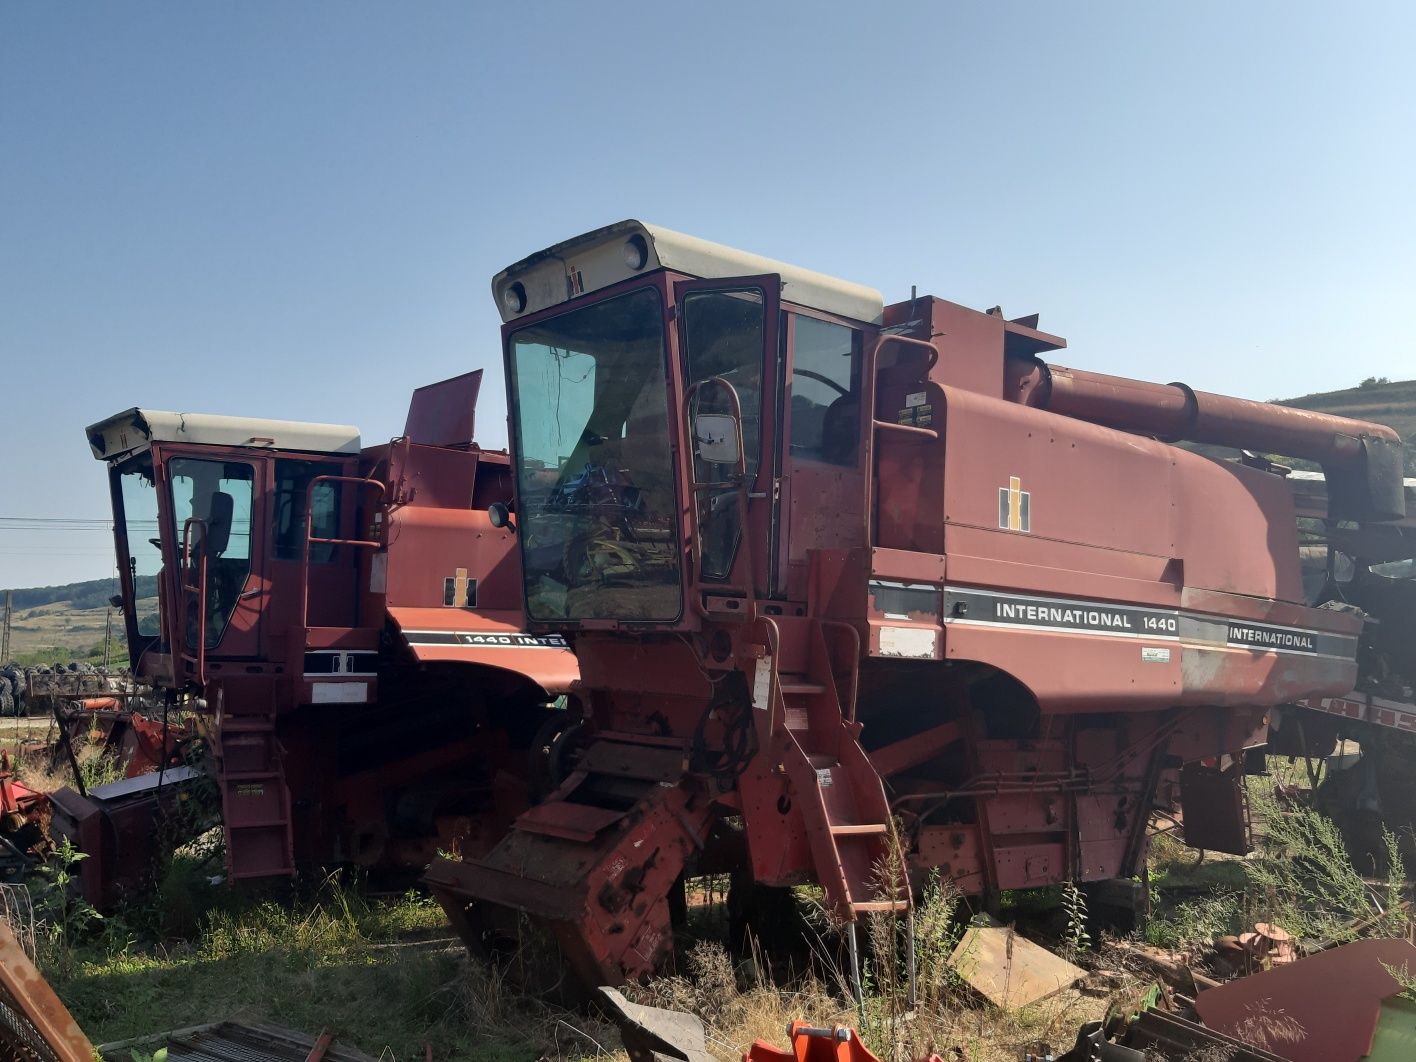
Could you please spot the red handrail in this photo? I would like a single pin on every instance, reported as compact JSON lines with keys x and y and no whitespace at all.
{"x":775,"y":719}
{"x":356,"y":543}
{"x":853,"y":637}
{"x":186,"y":588}
{"x":876,"y":425}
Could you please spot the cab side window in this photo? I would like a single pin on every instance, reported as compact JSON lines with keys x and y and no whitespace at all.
{"x":825,"y":392}
{"x":292,"y":488}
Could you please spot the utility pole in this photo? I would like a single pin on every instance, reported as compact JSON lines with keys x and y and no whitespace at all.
{"x":5,"y":638}
{"x":108,"y":639}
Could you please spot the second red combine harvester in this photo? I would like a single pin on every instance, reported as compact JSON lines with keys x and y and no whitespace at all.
{"x":861,"y":593}
{"x":346,"y":624}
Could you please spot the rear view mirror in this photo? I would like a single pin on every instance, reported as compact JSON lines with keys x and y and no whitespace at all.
{"x":223,"y":507}
{"x":716,"y":438}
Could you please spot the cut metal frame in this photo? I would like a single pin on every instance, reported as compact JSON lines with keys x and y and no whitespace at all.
{"x":34,"y":1023}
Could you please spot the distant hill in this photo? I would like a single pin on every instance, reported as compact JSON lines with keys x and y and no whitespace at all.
{"x":68,"y":622}
{"x":1381,"y":401}
{"x":1377,"y":400}
{"x":91,"y":594}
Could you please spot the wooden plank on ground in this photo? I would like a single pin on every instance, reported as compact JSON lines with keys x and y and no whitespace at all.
{"x":1008,"y":970}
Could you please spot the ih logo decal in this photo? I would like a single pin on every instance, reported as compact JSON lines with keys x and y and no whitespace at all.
{"x":460,"y":591}
{"x":1013,"y":506}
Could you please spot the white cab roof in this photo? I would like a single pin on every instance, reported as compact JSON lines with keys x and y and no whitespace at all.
{"x":598,"y":259}
{"x":135,"y":429}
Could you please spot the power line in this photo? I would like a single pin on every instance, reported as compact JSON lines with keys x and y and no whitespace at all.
{"x":54,"y":523}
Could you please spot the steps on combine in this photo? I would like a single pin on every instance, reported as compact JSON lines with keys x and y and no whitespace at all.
{"x":255,"y":800}
{"x":839,"y":792}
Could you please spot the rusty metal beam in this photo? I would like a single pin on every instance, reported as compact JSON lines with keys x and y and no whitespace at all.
{"x":914,"y":750}
{"x":34,"y":1023}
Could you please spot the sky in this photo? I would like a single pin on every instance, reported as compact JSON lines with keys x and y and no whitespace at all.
{"x":294,"y":210}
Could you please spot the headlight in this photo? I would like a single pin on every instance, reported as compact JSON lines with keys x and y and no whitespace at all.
{"x":514,"y":297}
{"x":636,"y":252}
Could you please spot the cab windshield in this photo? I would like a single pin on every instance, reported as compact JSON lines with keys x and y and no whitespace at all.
{"x":139,"y":524}
{"x":597,"y":508}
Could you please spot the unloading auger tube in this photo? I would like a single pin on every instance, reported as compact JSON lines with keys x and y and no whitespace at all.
{"x":1363,"y":460}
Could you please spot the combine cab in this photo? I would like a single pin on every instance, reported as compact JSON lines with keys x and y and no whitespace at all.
{"x":861,"y":593}
{"x":345,"y":621}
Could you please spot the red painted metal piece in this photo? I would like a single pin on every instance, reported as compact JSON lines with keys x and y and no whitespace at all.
{"x":18,"y":798}
{"x":838,"y":1043}
{"x":321,"y":1048}
{"x":1334,"y":997}
{"x":445,"y":413}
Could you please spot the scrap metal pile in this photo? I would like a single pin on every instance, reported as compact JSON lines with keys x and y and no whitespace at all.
{"x":100,"y":724}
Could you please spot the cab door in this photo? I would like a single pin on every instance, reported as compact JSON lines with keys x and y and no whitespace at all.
{"x":822,"y":483}
{"x":727,"y":336}
{"x":302,"y":496}
{"x":215,"y":521}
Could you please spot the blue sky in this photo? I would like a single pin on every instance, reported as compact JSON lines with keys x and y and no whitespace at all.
{"x":294,"y":209}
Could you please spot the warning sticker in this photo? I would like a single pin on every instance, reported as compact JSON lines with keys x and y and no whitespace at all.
{"x":1152,"y":654}
{"x":921,"y":414}
{"x":762,"y":684}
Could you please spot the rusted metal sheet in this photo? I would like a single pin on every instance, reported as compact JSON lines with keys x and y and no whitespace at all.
{"x":119,"y":826}
{"x":1330,"y":1001}
{"x":1010,"y":971}
{"x":1168,"y":1036}
{"x":444,"y":413}
{"x":1216,"y":809}
{"x":35,"y":1026}
{"x":654,"y":1034}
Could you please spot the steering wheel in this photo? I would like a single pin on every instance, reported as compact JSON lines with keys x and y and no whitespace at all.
{"x":811,"y":374}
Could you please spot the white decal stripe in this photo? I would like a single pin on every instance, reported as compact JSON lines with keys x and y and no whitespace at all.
{"x":1144,"y":636}
{"x":1214,"y":647}
{"x":1252,"y":632}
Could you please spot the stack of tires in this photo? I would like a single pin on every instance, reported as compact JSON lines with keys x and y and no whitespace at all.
{"x":13,"y":683}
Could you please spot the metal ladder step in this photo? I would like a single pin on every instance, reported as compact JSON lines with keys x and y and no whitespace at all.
{"x":868,"y":906}
{"x":802,"y":688}
{"x":843,"y":829}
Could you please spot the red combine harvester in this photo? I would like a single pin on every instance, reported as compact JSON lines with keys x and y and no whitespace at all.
{"x":865,"y":592}
{"x":347,"y":624}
